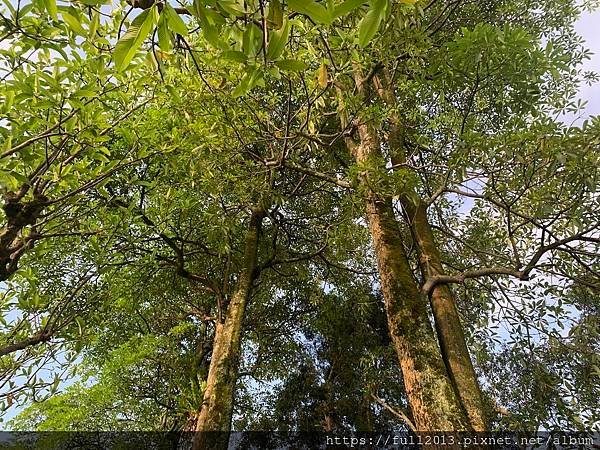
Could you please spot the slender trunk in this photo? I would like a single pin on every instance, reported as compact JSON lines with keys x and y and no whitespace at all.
{"x":214,"y":421}
{"x":431,"y":397}
{"x":364,"y":422}
{"x":432,"y":400}
{"x":447,"y":321}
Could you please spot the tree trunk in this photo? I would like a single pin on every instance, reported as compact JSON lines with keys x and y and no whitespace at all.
{"x":432,"y":399}
{"x":364,"y":423}
{"x":214,"y":421}
{"x":431,"y":396}
{"x":447,"y":320}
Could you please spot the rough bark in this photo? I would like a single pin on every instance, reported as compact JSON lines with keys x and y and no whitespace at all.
{"x":214,"y":421}
{"x":447,"y":320}
{"x":430,"y":393}
{"x":43,"y":336}
{"x":19,"y":215}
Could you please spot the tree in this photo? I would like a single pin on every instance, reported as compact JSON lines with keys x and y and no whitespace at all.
{"x":269,"y":151}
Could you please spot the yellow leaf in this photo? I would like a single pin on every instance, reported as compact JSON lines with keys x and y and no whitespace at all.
{"x":322,"y":76}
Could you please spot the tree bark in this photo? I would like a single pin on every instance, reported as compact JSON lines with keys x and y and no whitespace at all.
{"x":447,"y":320}
{"x":429,"y":390}
{"x":214,"y":421}
{"x":432,"y":399}
{"x":19,"y":215}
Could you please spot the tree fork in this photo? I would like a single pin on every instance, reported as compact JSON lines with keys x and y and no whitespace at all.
{"x":432,"y":399}
{"x":214,"y":420}
{"x":447,"y":320}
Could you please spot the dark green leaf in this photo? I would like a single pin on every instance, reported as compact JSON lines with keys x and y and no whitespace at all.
{"x":346,"y":7}
{"x":291,"y":65}
{"x":370,"y":23}
{"x":175,"y":22}
{"x":278,"y":41}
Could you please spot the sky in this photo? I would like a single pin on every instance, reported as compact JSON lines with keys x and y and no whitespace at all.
{"x":588,"y":27}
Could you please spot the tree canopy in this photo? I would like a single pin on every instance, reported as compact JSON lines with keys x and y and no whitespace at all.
{"x":297,"y":215}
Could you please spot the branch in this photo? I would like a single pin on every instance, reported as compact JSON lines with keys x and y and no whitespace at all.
{"x":433,"y":281}
{"x":38,"y":338}
{"x":397,"y":412}
{"x":342,"y":183}
{"x":179,"y":264}
{"x":48,"y":133}
{"x":124,"y":116}
{"x":304,"y":257}
{"x":522,"y":275}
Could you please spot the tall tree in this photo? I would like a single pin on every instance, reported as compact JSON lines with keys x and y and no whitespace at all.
{"x":267,"y":150}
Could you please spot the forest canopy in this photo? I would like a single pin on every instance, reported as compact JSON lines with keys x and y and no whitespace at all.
{"x":291,"y":215}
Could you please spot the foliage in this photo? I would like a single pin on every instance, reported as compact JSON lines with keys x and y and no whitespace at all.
{"x":132,"y":150}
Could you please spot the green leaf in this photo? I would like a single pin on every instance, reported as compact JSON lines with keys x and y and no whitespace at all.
{"x":317,"y":12}
{"x":95,"y":2}
{"x":210,"y":32}
{"x":175,"y":22}
{"x":73,"y":23}
{"x":19,"y":177}
{"x":174,"y":94}
{"x":275,"y":16}
{"x":249,"y":80}
{"x":233,"y":55}
{"x":346,"y":7}
{"x":370,"y":23}
{"x":51,"y":8}
{"x":277,"y":41}
{"x":132,"y":40}
{"x":241,"y":88}
{"x":291,"y":65}
{"x":231,"y":7}
{"x":251,"y":39}
{"x":9,"y":99}
{"x":164,"y":35}
{"x":94,"y":23}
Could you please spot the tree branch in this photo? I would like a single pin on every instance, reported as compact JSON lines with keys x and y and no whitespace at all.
{"x":38,"y":338}
{"x":339,"y":182}
{"x":396,"y":412}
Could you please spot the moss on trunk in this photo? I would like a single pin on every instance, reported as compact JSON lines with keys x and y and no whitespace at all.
{"x":430,"y":393}
{"x":447,"y":320}
{"x":214,"y":421}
